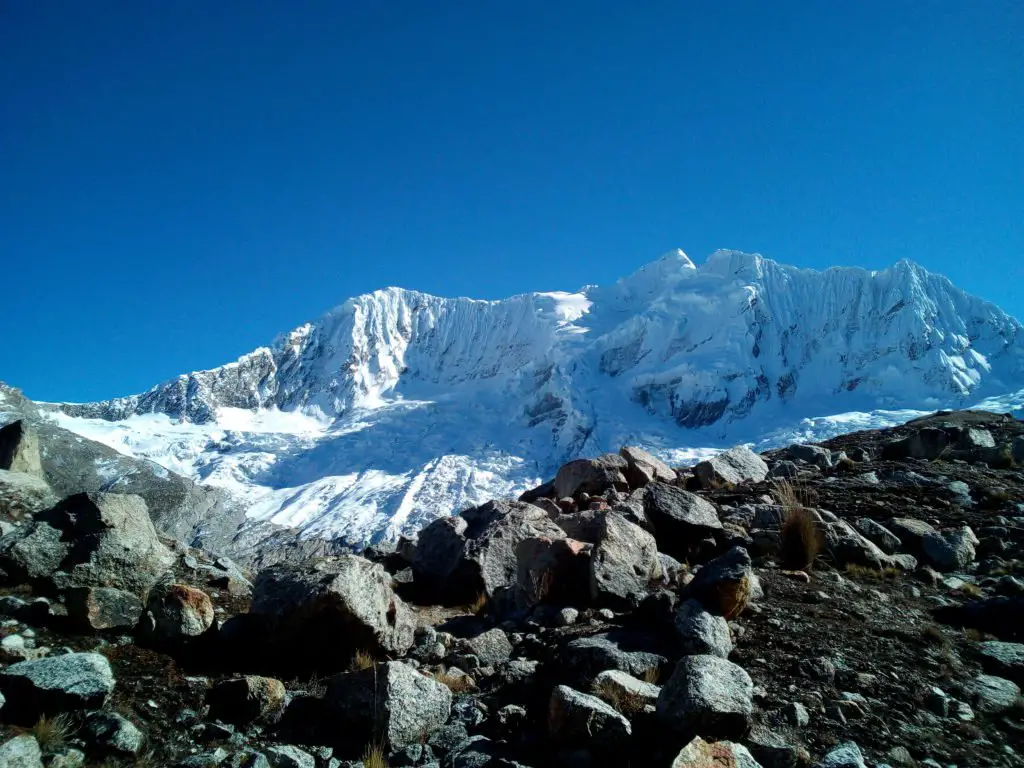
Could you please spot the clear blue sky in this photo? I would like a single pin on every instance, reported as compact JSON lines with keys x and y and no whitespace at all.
{"x":182,"y":180}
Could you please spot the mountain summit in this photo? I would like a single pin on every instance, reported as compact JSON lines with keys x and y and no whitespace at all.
{"x":399,"y":406}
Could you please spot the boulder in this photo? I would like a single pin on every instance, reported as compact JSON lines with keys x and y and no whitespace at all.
{"x":114,"y":543}
{"x":735,"y":466}
{"x":22,"y":495}
{"x":910,"y":532}
{"x":723,"y":586}
{"x":700,"y":632}
{"x":491,"y":647}
{"x":100,"y":608}
{"x":847,"y":546}
{"x":577,"y":719}
{"x":552,"y":570}
{"x":593,"y":476}
{"x":245,"y":700}
{"x":704,"y":754}
{"x":643,"y":468}
{"x":109,"y":732}
{"x":32,"y":552}
{"x":949,"y":550}
{"x":287,"y":756}
{"x":878,"y":535}
{"x":847,"y":755}
{"x":708,"y":696}
{"x":324,"y":611}
{"x":811,"y":454}
{"x":973,"y":438}
{"x":56,"y":684}
{"x":438,"y":551}
{"x":999,"y":616}
{"x":991,"y":694}
{"x":784,"y":469}
{"x":926,"y":443}
{"x":21,"y":752}
{"x":681,"y":519}
{"x":19,"y":449}
{"x":1003,"y":659}
{"x":624,"y":562}
{"x":625,"y":650}
{"x":391,"y":702}
{"x":1017,"y":450}
{"x":176,"y":613}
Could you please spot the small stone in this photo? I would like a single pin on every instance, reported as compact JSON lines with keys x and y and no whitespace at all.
{"x":847,"y":755}
{"x":992,"y":694}
{"x":21,"y":752}
{"x":702,"y":754}
{"x":567,"y":617}
{"x":289,"y":757}
{"x":796,"y":714}
{"x":113,"y":733}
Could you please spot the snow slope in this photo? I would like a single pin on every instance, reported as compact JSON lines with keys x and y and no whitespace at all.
{"x":398,"y":406}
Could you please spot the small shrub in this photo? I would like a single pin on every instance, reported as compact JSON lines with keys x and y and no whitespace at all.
{"x":971,"y":590}
{"x":934,"y":636}
{"x":362,"y":660}
{"x":374,"y":756}
{"x":801,"y":539}
{"x":731,"y":597}
{"x":51,"y":733}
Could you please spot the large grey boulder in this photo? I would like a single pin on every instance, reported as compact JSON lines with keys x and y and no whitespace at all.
{"x":708,"y":696}
{"x":949,"y":550}
{"x":812,"y":454}
{"x":23,"y":495}
{"x":701,"y":632}
{"x":113,"y":733}
{"x":287,"y":756}
{"x":31,"y":552}
{"x":631,"y":652}
{"x":724,"y":585}
{"x":552,"y":570}
{"x":99,"y":608}
{"x":1003,"y":659}
{"x":736,"y":466}
{"x":325,"y":610}
{"x":705,"y":754}
{"x":846,"y":755}
{"x":56,"y":684}
{"x":391,"y":702}
{"x":878,"y":535}
{"x":578,"y":719}
{"x":21,"y":752}
{"x":624,"y":562}
{"x":680,"y":519}
{"x":491,"y":647}
{"x":19,"y":449}
{"x":439,"y":549}
{"x":593,"y":476}
{"x":114,"y":543}
{"x":991,"y":694}
{"x":613,"y":685}
{"x":643,"y":468}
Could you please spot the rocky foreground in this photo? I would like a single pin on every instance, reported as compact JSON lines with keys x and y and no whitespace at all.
{"x":857,"y":603}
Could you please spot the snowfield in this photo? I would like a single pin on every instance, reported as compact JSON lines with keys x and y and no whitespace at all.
{"x":398,"y":407}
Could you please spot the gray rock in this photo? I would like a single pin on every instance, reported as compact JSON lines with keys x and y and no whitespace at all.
{"x":247,"y":699}
{"x":69,"y":758}
{"x":331,"y":607}
{"x":975,"y":437}
{"x":115,"y":543}
{"x":491,"y":647}
{"x":57,"y":683}
{"x":723,"y":585}
{"x":643,"y":468}
{"x":21,"y":752}
{"x":1003,"y":659}
{"x":288,"y":756}
{"x":796,"y":714}
{"x":708,"y":696}
{"x":701,"y":632}
{"x":438,"y":551}
{"x":878,"y":535}
{"x":926,"y":443}
{"x":586,"y":657}
{"x":567,"y":617}
{"x":680,"y":518}
{"x":992,"y":694}
{"x":847,"y":755}
{"x":552,"y":570}
{"x":110,"y":732}
{"x":613,"y":685}
{"x":248,"y":758}
{"x":177,"y":612}
{"x":735,"y":466}
{"x":19,"y":449}
{"x":205,"y":759}
{"x":391,"y":701}
{"x":1017,"y":451}
{"x":102,"y":608}
{"x":32,"y":551}
{"x":22,"y":495}
{"x":575,"y":718}
{"x":910,"y":532}
{"x":770,"y":749}
{"x":950,"y":550}
{"x":593,"y":476}
{"x":624,"y":562}
{"x":812,"y":454}
{"x":703,"y":754}
{"x":784,"y":469}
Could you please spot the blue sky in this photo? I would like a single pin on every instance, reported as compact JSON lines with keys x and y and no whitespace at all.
{"x":183,"y":180}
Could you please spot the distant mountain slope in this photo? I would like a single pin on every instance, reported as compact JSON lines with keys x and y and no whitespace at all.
{"x":398,"y":406}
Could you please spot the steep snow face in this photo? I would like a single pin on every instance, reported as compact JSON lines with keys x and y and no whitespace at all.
{"x":398,"y":406}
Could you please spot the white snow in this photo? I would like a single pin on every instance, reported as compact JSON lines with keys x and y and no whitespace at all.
{"x":398,"y":407}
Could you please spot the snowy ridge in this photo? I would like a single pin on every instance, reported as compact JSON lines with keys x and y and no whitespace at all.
{"x":398,"y":406}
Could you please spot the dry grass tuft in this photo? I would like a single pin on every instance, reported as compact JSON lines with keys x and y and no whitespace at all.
{"x":731,"y":597}
{"x":374,"y":756}
{"x":866,"y":573}
{"x":479,"y":604}
{"x":456,"y":683}
{"x":652,"y":675}
{"x":971,"y":590}
{"x":801,"y":539}
{"x":974,"y":635}
{"x":362,"y":660}
{"x":317,"y":687}
{"x":934,"y":636}
{"x":51,"y":733}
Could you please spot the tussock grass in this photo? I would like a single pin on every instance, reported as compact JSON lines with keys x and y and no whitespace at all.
{"x":479,"y":604}
{"x":374,"y":756}
{"x":934,"y":637}
{"x":971,"y":590}
{"x":801,"y":539}
{"x":866,"y":573}
{"x":51,"y":733}
{"x":652,"y":675}
{"x":361,"y":660}
{"x":627,"y":704}
{"x":456,"y":683}
{"x":731,"y":597}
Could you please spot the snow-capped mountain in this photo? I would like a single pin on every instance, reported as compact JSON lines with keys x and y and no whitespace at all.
{"x":398,"y":406}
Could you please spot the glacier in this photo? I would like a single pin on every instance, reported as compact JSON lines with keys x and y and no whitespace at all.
{"x":398,"y":406}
